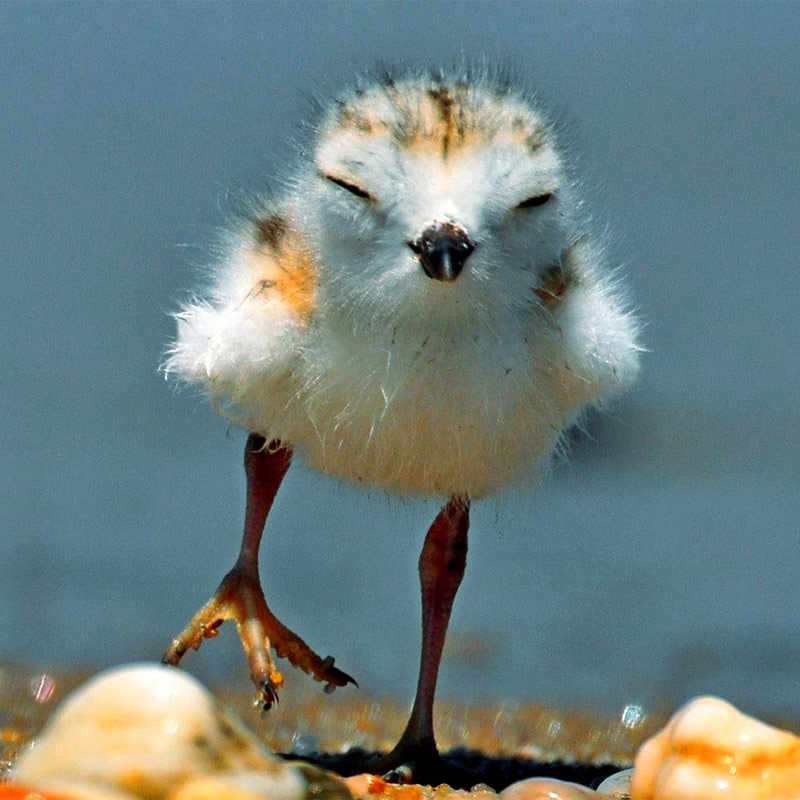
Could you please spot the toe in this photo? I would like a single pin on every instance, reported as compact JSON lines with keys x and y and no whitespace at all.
{"x":333,"y":676}
{"x":267,"y":693}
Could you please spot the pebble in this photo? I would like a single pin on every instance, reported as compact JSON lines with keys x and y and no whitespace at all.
{"x":152,"y":731}
{"x":547,"y":789}
{"x":711,"y":751}
{"x":618,"y":785}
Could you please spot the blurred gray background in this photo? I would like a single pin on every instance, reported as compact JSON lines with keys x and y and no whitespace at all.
{"x":661,"y":561}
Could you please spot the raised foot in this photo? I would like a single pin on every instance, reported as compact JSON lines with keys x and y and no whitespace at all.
{"x":241,"y":599}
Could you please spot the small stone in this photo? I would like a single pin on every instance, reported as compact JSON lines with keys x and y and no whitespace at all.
{"x":710,"y":750}
{"x":547,"y":789}
{"x":373,"y":787}
{"x":617,"y":786}
{"x":359,"y":784}
{"x":147,"y":730}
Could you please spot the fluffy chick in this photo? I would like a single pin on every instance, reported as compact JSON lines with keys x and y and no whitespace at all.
{"x":425,"y":309}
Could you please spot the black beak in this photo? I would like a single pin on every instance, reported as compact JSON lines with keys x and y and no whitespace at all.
{"x":442,"y":249}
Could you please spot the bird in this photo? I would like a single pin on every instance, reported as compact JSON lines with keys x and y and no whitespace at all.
{"x":427,"y":307}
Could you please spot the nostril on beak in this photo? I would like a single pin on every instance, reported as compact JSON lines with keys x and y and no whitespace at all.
{"x":442,"y":249}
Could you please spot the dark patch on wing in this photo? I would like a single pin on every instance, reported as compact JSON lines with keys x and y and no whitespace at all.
{"x":270,"y":230}
{"x":555,"y":283}
{"x":535,"y":140}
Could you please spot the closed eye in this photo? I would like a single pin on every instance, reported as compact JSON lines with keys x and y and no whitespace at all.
{"x":536,"y":200}
{"x":351,"y":187}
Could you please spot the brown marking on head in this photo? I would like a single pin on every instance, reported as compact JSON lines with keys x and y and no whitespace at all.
{"x":270,"y":230}
{"x":352,"y":117}
{"x":286,"y":270}
{"x":528,"y":131}
{"x":443,"y":102}
{"x":440,"y":117}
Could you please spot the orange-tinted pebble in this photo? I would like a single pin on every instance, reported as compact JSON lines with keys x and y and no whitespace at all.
{"x":366,"y":785}
{"x":16,"y":791}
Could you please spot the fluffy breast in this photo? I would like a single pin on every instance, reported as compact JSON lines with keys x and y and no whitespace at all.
{"x":430,"y":414}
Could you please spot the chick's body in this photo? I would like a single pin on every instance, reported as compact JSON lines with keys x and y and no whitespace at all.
{"x":321,"y":328}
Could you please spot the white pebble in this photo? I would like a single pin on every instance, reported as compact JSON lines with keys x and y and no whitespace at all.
{"x":547,"y":789}
{"x":146,"y":729}
{"x":711,"y":751}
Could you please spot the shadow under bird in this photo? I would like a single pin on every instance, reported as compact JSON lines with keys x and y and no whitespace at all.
{"x":424,"y":309}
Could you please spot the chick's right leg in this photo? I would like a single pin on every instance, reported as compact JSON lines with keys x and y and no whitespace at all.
{"x":241,"y":598}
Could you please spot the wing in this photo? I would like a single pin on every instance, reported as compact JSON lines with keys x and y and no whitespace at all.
{"x":240,"y":341}
{"x":597,"y":331}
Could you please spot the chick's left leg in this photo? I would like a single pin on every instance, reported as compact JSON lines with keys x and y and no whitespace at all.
{"x":240,"y":597}
{"x":441,"y":569}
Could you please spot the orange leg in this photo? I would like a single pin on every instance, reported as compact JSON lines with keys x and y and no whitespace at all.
{"x":240,"y":597}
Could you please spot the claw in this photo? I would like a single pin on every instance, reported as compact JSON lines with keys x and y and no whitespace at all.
{"x":174,"y":655}
{"x":266,"y":696}
{"x":334,"y":676}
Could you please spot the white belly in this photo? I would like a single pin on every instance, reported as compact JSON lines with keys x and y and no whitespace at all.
{"x":435,"y":414}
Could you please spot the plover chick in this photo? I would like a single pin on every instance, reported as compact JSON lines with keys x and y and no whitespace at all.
{"x":424,"y":309}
